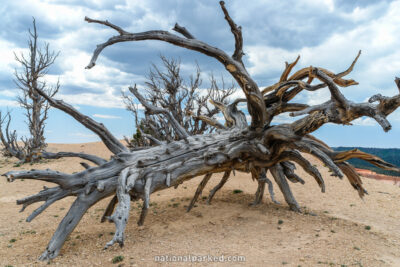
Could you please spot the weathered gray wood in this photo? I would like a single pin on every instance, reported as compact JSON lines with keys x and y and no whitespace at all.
{"x":112,"y":143}
{"x":271,"y":190}
{"x":237,"y":33}
{"x":121,"y":213}
{"x":182,"y":133}
{"x":134,"y":175}
{"x":82,"y":203}
{"x":288,"y":170}
{"x":146,"y":200}
{"x":233,"y":64}
{"x":233,"y":116}
{"x":9,"y":139}
{"x":306,"y":165}
{"x":95,"y":159}
{"x":110,"y":208}
{"x":183,"y":31}
{"x":199,"y":190}
{"x":259,"y":193}
{"x":279,"y":177}
{"x":172,"y":163}
{"x":218,"y":186}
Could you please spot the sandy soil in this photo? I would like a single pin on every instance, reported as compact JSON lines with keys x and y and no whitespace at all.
{"x":333,"y":230}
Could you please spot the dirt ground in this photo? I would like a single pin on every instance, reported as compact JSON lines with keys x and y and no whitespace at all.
{"x":337,"y":228}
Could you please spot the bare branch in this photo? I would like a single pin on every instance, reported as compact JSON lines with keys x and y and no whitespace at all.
{"x":237,"y":33}
{"x":199,"y":190}
{"x":233,"y":116}
{"x":155,"y":140}
{"x":350,"y":69}
{"x":108,"y":24}
{"x":337,"y":96}
{"x":157,"y":110}
{"x":183,"y":31}
{"x":288,"y":69}
{"x":92,"y":158}
{"x":279,"y":176}
{"x":256,"y":106}
{"x":353,"y":178}
{"x":112,"y":143}
{"x":356,"y":153}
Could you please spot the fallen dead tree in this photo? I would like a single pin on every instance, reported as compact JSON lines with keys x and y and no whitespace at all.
{"x":133,"y":175}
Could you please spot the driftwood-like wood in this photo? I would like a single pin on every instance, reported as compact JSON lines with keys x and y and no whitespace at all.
{"x":261,"y":146}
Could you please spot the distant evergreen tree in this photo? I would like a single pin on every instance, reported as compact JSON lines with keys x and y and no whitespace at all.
{"x":391,"y":155}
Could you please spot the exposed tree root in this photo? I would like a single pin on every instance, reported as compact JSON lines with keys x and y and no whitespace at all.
{"x":199,"y":190}
{"x":218,"y":186}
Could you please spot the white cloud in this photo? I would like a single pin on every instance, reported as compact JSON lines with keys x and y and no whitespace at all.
{"x":8,"y":93}
{"x":8,"y":62}
{"x":238,"y":94}
{"x":106,"y":100}
{"x":316,"y":97}
{"x":65,"y":30}
{"x":283,"y":118}
{"x":104,"y":116}
{"x":8,"y":103}
{"x":103,"y":77}
{"x":359,"y":14}
{"x":364,"y":122}
{"x":320,"y":4}
{"x":378,"y":38}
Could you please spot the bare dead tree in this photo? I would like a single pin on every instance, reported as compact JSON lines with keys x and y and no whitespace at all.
{"x":191,"y":110}
{"x":184,"y":100}
{"x":29,"y":79}
{"x":133,"y":175}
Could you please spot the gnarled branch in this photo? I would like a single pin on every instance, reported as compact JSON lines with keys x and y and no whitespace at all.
{"x":236,"y":69}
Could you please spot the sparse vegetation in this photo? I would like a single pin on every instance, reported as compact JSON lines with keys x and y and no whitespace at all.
{"x":117,"y":259}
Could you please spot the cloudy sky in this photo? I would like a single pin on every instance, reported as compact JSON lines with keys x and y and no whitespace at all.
{"x":325,"y":33}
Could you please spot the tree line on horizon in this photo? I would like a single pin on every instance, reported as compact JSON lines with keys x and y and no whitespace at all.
{"x":391,"y":155}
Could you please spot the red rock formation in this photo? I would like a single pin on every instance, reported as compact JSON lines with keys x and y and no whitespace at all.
{"x":376,"y":176}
